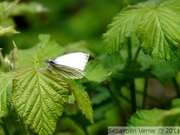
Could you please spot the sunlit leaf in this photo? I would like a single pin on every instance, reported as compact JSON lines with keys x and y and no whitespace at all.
{"x":39,"y":98}
{"x":145,"y":118}
{"x":159,"y":33}
{"x":123,"y":26}
{"x":7,"y":31}
{"x":5,"y":91}
{"x":172,"y":5}
{"x":170,"y":117}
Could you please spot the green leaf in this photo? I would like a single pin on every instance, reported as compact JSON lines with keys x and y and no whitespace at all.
{"x":165,"y":70}
{"x":95,"y":71}
{"x":159,"y":33}
{"x":113,"y":62}
{"x":172,"y":5}
{"x":83,"y":100}
{"x":7,"y":31}
{"x":145,"y":118}
{"x":162,"y":70}
{"x":39,"y":98}
{"x":123,"y":26}
{"x":170,"y":117}
{"x":36,"y":55}
{"x":5,"y":91}
{"x":101,"y":96}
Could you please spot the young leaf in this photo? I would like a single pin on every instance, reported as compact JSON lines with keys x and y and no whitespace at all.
{"x":95,"y":71}
{"x":145,"y":118}
{"x":39,"y":98}
{"x":159,"y":33}
{"x":5,"y":91}
{"x":123,"y":25}
{"x":7,"y":31}
{"x":83,"y":100}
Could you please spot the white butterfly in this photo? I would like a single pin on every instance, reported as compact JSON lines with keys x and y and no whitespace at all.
{"x":70,"y":65}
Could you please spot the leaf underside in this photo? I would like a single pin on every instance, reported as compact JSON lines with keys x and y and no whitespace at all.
{"x":39,"y":98}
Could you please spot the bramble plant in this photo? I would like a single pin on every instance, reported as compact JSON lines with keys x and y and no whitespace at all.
{"x":142,"y":41}
{"x":153,"y":28}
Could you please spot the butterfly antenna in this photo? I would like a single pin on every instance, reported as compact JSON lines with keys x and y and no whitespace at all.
{"x":42,"y":50}
{"x":43,"y":54}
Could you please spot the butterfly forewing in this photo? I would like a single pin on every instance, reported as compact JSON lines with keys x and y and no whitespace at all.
{"x":74,"y":60}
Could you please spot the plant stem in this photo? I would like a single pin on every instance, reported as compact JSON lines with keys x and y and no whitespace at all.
{"x":22,"y":126}
{"x":133,"y":95}
{"x":130,"y":65}
{"x":176,"y":86}
{"x":129,"y":49}
{"x":5,"y":127}
{"x":137,"y":53}
{"x":144,"y":93}
{"x":114,"y":97}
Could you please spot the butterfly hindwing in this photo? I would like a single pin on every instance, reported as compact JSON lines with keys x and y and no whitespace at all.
{"x":68,"y":72}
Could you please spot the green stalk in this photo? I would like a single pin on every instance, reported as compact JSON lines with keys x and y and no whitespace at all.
{"x":22,"y":125}
{"x":130,"y":65}
{"x":144,"y":93}
{"x":114,"y":97}
{"x":133,"y":95}
{"x":5,"y":127}
{"x":136,"y":55}
{"x":129,"y":49}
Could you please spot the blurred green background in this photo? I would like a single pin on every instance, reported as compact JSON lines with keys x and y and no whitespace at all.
{"x":66,"y":21}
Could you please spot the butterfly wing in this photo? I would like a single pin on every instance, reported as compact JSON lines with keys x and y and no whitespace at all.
{"x":71,"y":65}
{"x":76,"y":60}
{"x":68,"y":72}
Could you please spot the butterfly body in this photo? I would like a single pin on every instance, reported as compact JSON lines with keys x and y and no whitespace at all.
{"x":70,"y":65}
